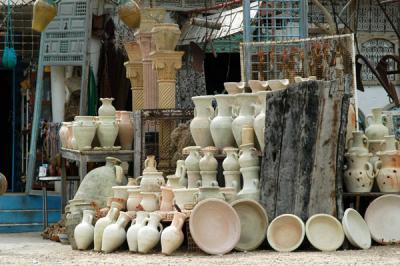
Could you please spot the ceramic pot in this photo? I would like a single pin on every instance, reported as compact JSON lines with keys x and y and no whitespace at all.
{"x":259,"y":121}
{"x":173,"y":181}
{"x":248,"y":135}
{"x":248,"y":156}
{"x":359,"y":174}
{"x":84,"y":133}
{"x":212,"y":192}
{"x":120,"y":192}
{"x":184,"y":197}
{"x":150,"y":164}
{"x":114,"y":234}
{"x":131,"y":234}
{"x":376,"y":130}
{"x":192,"y":161}
{"x":232,"y":179}
{"x":389,"y":143}
{"x":126,"y":130}
{"x":221,"y":125}
{"x":246,"y":103}
{"x":208,"y":162}
{"x":286,"y":233}
{"x":180,"y":172}
{"x":229,"y":193}
{"x":172,"y":236}
{"x":200,"y":125}
{"x":231,"y":161}
{"x":151,"y":182}
{"x":165,"y":36}
{"x":388,"y":171}
{"x":234,"y":87}
{"x":278,"y":84}
{"x":258,"y":85}
{"x":63,"y":133}
{"x":209,"y":178}
{"x":129,"y":13}
{"x":107,"y":131}
{"x":3,"y":184}
{"x":134,"y":199}
{"x":251,"y":186}
{"x":358,"y":143}
{"x":150,"y":17}
{"x":150,"y":201}
{"x":106,"y":108}
{"x":194,"y":179}
{"x":84,"y":231}
{"x":149,"y":235}
{"x":167,"y":199}
{"x":70,"y":136}
{"x":101,"y":224}
{"x":74,"y":217}
{"x":324,"y":232}
{"x":44,"y":12}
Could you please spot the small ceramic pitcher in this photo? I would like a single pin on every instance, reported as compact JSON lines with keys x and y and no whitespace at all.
{"x":150,"y":201}
{"x":167,"y":199}
{"x":358,"y":143}
{"x":150,"y":164}
{"x":359,"y":174}
{"x":134,"y":199}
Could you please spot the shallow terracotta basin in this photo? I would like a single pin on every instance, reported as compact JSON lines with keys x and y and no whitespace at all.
{"x":286,"y":233}
{"x":324,"y":232}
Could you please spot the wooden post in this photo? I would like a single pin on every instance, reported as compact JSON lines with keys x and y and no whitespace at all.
{"x":137,"y":153}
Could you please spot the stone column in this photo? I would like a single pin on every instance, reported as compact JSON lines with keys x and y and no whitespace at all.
{"x":134,"y":72}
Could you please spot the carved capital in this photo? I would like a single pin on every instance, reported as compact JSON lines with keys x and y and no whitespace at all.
{"x":146,"y":44}
{"x":166,"y":63}
{"x":134,"y":72}
{"x":133,"y":51}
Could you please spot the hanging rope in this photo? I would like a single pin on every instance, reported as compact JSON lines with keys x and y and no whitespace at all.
{"x":9,"y":59}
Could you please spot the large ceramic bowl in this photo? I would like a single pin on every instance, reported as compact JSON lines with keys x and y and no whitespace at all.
{"x":214,"y":226}
{"x":356,"y":229}
{"x":383,"y":219}
{"x":286,"y":233}
{"x":253,"y":221}
{"x":324,"y":232}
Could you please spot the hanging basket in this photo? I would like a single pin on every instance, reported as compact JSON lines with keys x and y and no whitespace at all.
{"x":43,"y":13}
{"x":9,"y":59}
{"x":129,"y":13}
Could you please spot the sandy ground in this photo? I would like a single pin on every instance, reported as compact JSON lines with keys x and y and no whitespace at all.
{"x":31,"y":249}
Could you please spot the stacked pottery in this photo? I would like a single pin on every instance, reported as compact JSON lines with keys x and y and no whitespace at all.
{"x":173,"y":181}
{"x":84,"y":130}
{"x":259,"y":121}
{"x":184,"y":197}
{"x":107,"y":125}
{"x":192,"y":166}
{"x":70,"y":136}
{"x":74,"y":217}
{"x":131,"y":234}
{"x":231,"y":168}
{"x":258,"y":85}
{"x":375,"y":131}
{"x":84,"y":231}
{"x":172,"y":236}
{"x":148,"y":236}
{"x":101,"y":224}
{"x":125,"y":129}
{"x":134,"y":199}
{"x":200,"y":125}
{"x":114,"y":235}
{"x":247,"y":102}
{"x":250,"y":169}
{"x":208,"y":167}
{"x":388,"y":167}
{"x":180,"y":172}
{"x":221,"y":125}
{"x":234,"y":87}
{"x":63,"y":133}
{"x":210,"y":192}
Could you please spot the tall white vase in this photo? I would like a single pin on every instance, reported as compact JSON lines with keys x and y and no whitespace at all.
{"x":84,"y":231}
{"x":101,"y":224}
{"x":259,"y":121}
{"x":246,"y":103}
{"x":131,"y":234}
{"x":114,"y":234}
{"x":221,"y":125}
{"x":200,"y":125}
{"x":149,"y":235}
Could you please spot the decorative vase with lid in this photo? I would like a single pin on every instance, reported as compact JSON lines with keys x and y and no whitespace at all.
{"x":84,"y":231}
{"x":192,"y":161}
{"x":106,"y":108}
{"x":251,"y":187}
{"x":359,"y":174}
{"x":165,"y":36}
{"x":114,"y":234}
{"x":101,"y":224}
{"x":358,"y":143}
{"x":221,"y":125}
{"x":247,"y":103}
{"x":200,"y":125}
{"x":208,"y":161}
{"x":172,"y":236}
{"x":131,"y":234}
{"x":259,"y":121}
{"x":149,"y":235}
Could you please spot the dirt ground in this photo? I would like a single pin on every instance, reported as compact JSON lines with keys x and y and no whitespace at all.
{"x":31,"y":249}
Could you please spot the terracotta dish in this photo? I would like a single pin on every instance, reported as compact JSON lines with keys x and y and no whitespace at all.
{"x":214,"y":226}
{"x":356,"y":229}
{"x":324,"y":232}
{"x":286,"y":233}
{"x":383,"y":219}
{"x":253,"y":221}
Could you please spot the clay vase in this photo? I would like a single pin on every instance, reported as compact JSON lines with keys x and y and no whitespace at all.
{"x":388,"y":171}
{"x":151,"y":181}
{"x":129,"y":13}
{"x":107,"y":131}
{"x":74,"y":217}
{"x":358,"y":143}
{"x":64,"y":134}
{"x":84,"y":132}
{"x":180,"y":172}
{"x":150,"y":201}
{"x":248,"y":156}
{"x":126,"y":130}
{"x":251,"y":187}
{"x":172,"y":236}
{"x":173,"y":181}
{"x":150,"y":164}
{"x":70,"y":136}
{"x":232,"y":179}
{"x":84,"y":231}
{"x":149,"y":235}
{"x":389,"y":143}
{"x":200,"y":125}
{"x":131,"y":234}
{"x":134,"y":199}
{"x":192,"y":161}
{"x":114,"y":234}
{"x":43,"y":13}
{"x":234,"y":87}
{"x":359,"y":174}
{"x":209,"y":178}
{"x":212,"y":192}
{"x":258,"y":85}
{"x":194,"y":179}
{"x":208,"y":161}
{"x":3,"y":184}
{"x":101,"y":224}
{"x":221,"y":125}
{"x":151,"y":16}
{"x":106,"y":108}
{"x":167,"y":199}
{"x":376,"y":130}
{"x":231,"y":161}
{"x":165,"y":36}
{"x":246,"y":103}
{"x":259,"y":121}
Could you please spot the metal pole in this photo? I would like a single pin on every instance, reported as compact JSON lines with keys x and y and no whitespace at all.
{"x":44,"y":189}
{"x":246,"y":38}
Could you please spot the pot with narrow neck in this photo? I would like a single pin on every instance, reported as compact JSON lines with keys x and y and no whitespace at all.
{"x":200,"y":125}
{"x":208,"y":161}
{"x":114,"y":234}
{"x":248,"y":156}
{"x":106,"y":108}
{"x":193,"y":159}
{"x":131,"y":234}
{"x":246,"y":103}
{"x":376,"y":130}
{"x":149,"y":235}
{"x":259,"y":121}
{"x":358,"y":143}
{"x":388,"y":171}
{"x":251,"y":180}
{"x":221,"y":125}
{"x":84,"y":231}
{"x":172,"y":237}
{"x":101,"y":224}
{"x":359,"y":174}
{"x":231,"y":161}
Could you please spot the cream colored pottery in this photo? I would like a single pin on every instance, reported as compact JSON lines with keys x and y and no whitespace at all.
{"x":106,"y":108}
{"x":209,"y":178}
{"x":358,"y":143}
{"x":64,"y":134}
{"x":3,"y":184}
{"x":149,"y":235}
{"x":254,"y":223}
{"x":356,"y":229}
{"x":173,"y":181}
{"x":231,"y":161}
{"x":229,"y":193}
{"x":389,"y":143}
{"x":299,"y":79}
{"x":167,"y":199}
{"x":376,"y":130}
{"x":84,"y":134}
{"x":359,"y":174}
{"x":180,"y":172}
{"x":192,"y":161}
{"x":134,"y":199}
{"x":221,"y":125}
{"x":259,"y":121}
{"x":278,"y":84}
{"x":101,"y":224}
{"x":151,"y":181}
{"x":131,"y":234}
{"x":247,"y":103}
{"x":234,"y":87}
{"x":215,"y":226}
{"x":114,"y":234}
{"x":388,"y":171}
{"x":232,"y":179}
{"x":165,"y":36}
{"x":248,"y":156}
{"x":211,"y":192}
{"x":248,"y":135}
{"x":208,"y":161}
{"x":194,"y":179}
{"x":120,"y":192}
{"x":86,"y":120}
{"x":126,"y":130}
{"x":129,"y":13}
{"x":184,"y":197}
{"x":172,"y":237}
{"x":151,"y":16}
{"x":150,"y":201}
{"x":251,"y":187}
{"x":258,"y":85}
{"x":107,"y":131}
{"x":324,"y":232}
{"x":84,"y":231}
{"x":70,"y":136}
{"x":150,"y":164}
{"x":200,"y":125}
{"x":383,"y":219}
{"x":286,"y":233}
